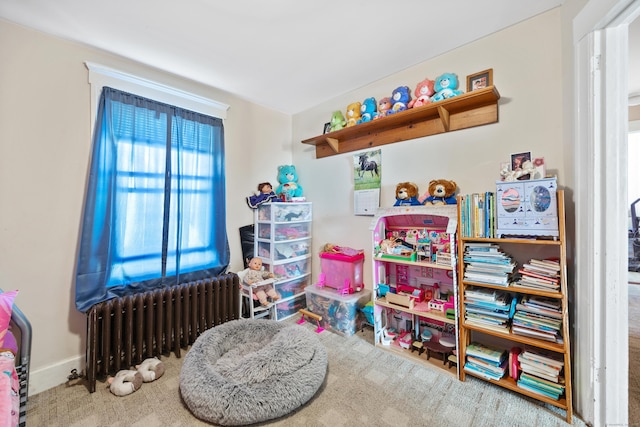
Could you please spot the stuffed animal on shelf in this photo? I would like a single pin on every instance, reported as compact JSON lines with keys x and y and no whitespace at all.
{"x":151,"y":369}
{"x":288,"y":179}
{"x":526,"y":168}
{"x":255,"y":274}
{"x":400,"y":98}
{"x":337,"y":121}
{"x":125,"y":382}
{"x":265,"y":195}
{"x":368,"y":110}
{"x":446,"y":86}
{"x":441,"y":192}
{"x":407,"y":194}
{"x":353,"y":113}
{"x":384,"y":105}
{"x":424,"y":91}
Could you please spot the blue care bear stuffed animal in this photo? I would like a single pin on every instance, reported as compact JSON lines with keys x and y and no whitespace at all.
{"x":368,"y":110}
{"x":446,"y":86}
{"x":288,"y":179}
{"x":400,"y":98}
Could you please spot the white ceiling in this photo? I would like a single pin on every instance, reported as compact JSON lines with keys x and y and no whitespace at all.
{"x":288,"y":55}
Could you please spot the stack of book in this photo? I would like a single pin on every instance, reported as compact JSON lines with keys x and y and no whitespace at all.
{"x":487,"y":263}
{"x":538,"y":317}
{"x":477,"y":215}
{"x":486,"y":361}
{"x":539,"y":274}
{"x":541,"y":374}
{"x":488,"y":308}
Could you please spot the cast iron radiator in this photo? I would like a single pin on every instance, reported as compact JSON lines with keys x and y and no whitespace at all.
{"x":122,"y":332}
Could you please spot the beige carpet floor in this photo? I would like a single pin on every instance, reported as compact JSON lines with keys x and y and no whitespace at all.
{"x":364,"y":386}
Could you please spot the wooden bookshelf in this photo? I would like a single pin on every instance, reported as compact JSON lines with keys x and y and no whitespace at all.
{"x":472,"y":332}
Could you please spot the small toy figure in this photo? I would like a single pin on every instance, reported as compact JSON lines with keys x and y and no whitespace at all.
{"x":424,"y":91}
{"x":265,"y":195}
{"x":407,"y":194}
{"x":441,"y":192}
{"x":400,"y":98}
{"x":288,"y":179}
{"x":446,"y":86}
{"x":337,"y":121}
{"x":255,"y":274}
{"x":384,"y":105}
{"x":353,"y":113}
{"x":368,"y":110}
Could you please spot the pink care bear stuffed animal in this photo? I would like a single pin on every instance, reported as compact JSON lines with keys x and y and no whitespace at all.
{"x":424,"y":91}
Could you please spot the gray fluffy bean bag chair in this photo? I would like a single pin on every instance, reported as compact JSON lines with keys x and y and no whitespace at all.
{"x":248,"y":371}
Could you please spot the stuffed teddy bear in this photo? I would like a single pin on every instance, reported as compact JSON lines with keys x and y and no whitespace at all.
{"x":337,"y":121}
{"x":353,"y":113}
{"x":424,"y":91}
{"x":407,"y":194}
{"x":446,"y":86}
{"x":441,"y":192}
{"x":400,"y":98}
{"x":288,"y":179}
{"x":125,"y":382}
{"x":368,"y":110}
{"x":384,"y":105}
{"x":151,"y":369}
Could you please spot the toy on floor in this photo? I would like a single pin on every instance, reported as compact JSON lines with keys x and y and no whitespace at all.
{"x":125,"y":382}
{"x":303,"y":312}
{"x":151,"y":369}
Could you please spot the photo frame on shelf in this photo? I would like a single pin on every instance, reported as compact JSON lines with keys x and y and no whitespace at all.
{"x":480,"y":80}
{"x":327,"y":128}
{"x":541,"y":170}
{"x":516,"y":163}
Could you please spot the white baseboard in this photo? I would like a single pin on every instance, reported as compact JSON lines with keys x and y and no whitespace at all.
{"x":51,"y":376}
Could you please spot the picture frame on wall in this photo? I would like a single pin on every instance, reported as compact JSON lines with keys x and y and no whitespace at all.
{"x":480,"y":80}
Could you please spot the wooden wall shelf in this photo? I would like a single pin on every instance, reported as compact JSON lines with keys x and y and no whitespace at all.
{"x":476,"y":108}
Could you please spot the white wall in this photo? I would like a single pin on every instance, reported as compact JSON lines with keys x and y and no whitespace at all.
{"x":44,"y":155}
{"x":526,"y":62}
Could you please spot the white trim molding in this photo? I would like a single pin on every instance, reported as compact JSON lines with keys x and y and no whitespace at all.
{"x":100,"y":76}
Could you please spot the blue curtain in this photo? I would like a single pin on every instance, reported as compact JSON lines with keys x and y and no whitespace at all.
{"x":154,"y":210}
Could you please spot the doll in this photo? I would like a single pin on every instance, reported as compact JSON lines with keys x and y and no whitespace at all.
{"x":265,"y":195}
{"x":255,"y":274}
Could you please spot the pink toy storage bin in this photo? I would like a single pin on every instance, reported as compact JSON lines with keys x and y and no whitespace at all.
{"x":341,"y":272}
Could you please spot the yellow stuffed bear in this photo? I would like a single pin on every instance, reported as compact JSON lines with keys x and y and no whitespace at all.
{"x":353,"y":113}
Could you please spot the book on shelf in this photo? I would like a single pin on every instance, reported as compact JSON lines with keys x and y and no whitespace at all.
{"x":536,"y":390}
{"x":533,"y":333}
{"x":477,"y":212}
{"x":496,"y":368}
{"x":485,"y":351}
{"x":543,"y":357}
{"x":533,"y":379}
{"x":484,"y":373}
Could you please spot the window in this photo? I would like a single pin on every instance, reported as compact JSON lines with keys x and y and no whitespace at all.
{"x":154,"y":210}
